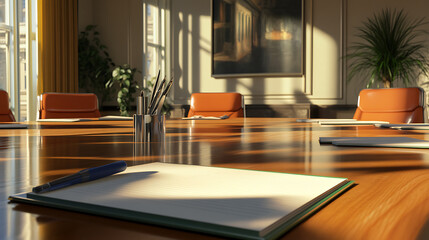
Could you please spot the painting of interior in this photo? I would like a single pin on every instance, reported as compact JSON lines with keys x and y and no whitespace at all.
{"x":257,"y":37}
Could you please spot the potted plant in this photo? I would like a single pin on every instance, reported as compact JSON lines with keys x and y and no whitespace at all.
{"x":94,"y":63}
{"x":123,"y":76}
{"x":390,"y":48}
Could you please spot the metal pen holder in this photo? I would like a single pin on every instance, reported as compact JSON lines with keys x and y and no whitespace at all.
{"x":149,"y":134}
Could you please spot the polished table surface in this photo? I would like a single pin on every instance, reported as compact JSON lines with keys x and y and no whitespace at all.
{"x":389,"y":201}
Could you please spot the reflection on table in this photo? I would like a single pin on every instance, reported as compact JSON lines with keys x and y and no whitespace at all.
{"x":389,"y":201}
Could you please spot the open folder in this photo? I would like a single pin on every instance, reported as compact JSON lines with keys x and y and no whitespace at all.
{"x":233,"y":203}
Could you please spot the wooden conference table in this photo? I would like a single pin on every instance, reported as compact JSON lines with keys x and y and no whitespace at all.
{"x":390,"y":200}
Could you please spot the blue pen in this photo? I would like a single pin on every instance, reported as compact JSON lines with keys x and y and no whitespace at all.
{"x":85,"y":175}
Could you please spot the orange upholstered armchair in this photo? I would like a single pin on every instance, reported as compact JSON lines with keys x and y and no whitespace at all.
{"x":217,"y":105}
{"x":69,"y":105}
{"x":6,"y":114}
{"x":395,"y":105}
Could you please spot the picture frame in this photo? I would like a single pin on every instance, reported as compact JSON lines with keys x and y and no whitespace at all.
{"x":257,"y":38}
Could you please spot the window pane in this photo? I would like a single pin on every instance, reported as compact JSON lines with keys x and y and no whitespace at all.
{"x":3,"y":77}
{"x":21,"y":12}
{"x":22,"y":61}
{"x":151,"y":62}
{"x":152,"y":24}
{"x":3,"y":59}
{"x":2,"y":11}
{"x":154,"y":48}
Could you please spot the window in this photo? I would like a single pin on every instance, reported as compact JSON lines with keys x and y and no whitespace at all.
{"x":15,"y":50}
{"x":155,"y":35}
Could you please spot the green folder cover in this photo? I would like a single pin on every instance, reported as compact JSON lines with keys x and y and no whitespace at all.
{"x":243,"y":204}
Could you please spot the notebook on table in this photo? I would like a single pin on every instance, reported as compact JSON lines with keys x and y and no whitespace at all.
{"x":319,"y":120}
{"x":233,"y":203}
{"x":395,"y":142}
{"x":408,"y":126}
{"x":115,"y":118}
{"x":199,"y":117}
{"x":104,"y":118}
{"x":352,"y":122}
{"x":65,"y":120}
{"x":13,"y":126}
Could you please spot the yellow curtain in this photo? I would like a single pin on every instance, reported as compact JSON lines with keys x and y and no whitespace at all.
{"x":58,"y":50}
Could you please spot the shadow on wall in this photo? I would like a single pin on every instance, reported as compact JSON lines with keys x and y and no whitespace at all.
{"x":186,"y":32}
{"x":189,"y":42}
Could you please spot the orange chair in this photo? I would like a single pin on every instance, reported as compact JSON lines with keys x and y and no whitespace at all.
{"x":6,"y":114}
{"x":394,"y":105}
{"x":68,"y":105}
{"x":217,"y":105}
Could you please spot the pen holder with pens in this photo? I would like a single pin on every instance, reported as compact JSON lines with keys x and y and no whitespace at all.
{"x":149,"y":132}
{"x":149,"y":122}
{"x":149,"y":135}
{"x":149,"y":128}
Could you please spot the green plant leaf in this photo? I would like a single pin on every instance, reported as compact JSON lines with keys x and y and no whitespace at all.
{"x":115,"y":72}
{"x":389,"y":49}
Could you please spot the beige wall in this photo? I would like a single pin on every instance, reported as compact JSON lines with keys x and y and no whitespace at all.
{"x":120,"y":25}
{"x":330,"y":27}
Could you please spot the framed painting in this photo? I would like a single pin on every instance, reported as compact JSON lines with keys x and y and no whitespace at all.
{"x":257,"y":38}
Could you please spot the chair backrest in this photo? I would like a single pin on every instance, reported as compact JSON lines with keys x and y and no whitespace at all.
{"x":6,"y":114}
{"x":69,"y":105}
{"x":217,"y":105}
{"x":395,"y":105}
